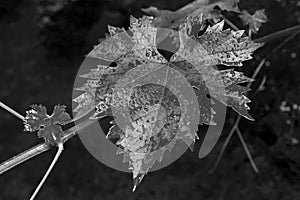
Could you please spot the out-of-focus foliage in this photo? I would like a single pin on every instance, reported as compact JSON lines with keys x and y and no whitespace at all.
{"x":205,"y":8}
{"x":254,"y":21}
{"x":9,"y":8}
{"x":66,"y":23}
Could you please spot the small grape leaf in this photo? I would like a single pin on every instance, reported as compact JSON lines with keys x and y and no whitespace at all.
{"x":48,"y":126}
{"x":254,"y":21}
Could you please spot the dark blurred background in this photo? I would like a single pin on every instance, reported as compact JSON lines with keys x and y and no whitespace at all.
{"x":42,"y":44}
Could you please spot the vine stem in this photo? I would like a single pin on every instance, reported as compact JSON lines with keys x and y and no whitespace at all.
{"x":235,"y":127}
{"x":40,"y":148}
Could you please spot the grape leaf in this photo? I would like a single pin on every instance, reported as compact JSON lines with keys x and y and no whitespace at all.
{"x":254,"y":21}
{"x":100,"y":86}
{"x":48,"y":126}
{"x":152,"y":126}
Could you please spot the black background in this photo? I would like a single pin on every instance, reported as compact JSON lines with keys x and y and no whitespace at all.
{"x":39,"y":61}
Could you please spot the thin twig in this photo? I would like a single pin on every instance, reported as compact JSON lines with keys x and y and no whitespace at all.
{"x":225,"y":144}
{"x":246,"y":150}
{"x":262,"y":62}
{"x":278,"y":34}
{"x":270,"y":37}
{"x":54,"y":161}
{"x":12,"y":111}
{"x":40,"y":148}
{"x":230,"y":23}
{"x":257,"y":70}
{"x":235,"y":126}
{"x":261,"y":86}
{"x":283,"y":43}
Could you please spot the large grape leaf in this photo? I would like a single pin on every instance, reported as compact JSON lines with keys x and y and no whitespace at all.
{"x":137,"y":58}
